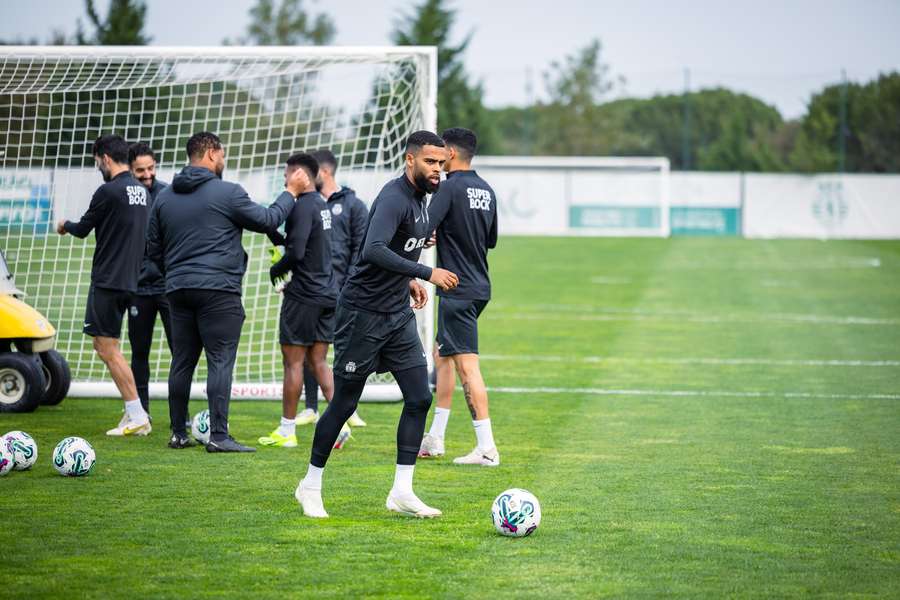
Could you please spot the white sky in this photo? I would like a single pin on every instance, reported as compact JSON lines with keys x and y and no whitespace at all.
{"x":780,"y":51}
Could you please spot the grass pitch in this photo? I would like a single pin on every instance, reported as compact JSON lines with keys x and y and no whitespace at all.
{"x":698,"y":417}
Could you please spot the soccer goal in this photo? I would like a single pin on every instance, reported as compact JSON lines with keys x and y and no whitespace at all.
{"x":265,"y":103}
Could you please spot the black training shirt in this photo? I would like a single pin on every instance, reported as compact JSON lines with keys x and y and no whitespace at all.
{"x":464,"y":211}
{"x":398,"y":227}
{"x":151,"y":282}
{"x":307,"y":252}
{"x":118,"y":214}
{"x":349,"y":217}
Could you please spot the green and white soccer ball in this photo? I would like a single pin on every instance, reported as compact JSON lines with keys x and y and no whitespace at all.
{"x":7,"y":460}
{"x":23,"y":447}
{"x":74,"y":457}
{"x":200,"y":426}
{"x":516,"y":513}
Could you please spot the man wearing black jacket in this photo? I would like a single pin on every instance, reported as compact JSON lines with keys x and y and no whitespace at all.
{"x":118,"y":216}
{"x":194,"y":238}
{"x":150,"y":298}
{"x":376,"y":329}
{"x":349,"y":218}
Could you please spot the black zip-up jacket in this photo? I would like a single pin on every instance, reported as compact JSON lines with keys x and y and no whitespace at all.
{"x":151,"y":282}
{"x":349,"y":218}
{"x":118,"y":213}
{"x":195,"y":230}
{"x":398,"y":227}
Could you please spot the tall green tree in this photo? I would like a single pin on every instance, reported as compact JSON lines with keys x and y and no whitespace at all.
{"x":123,"y":25}
{"x":872,"y":135}
{"x":460,"y":103}
{"x":287,"y":24}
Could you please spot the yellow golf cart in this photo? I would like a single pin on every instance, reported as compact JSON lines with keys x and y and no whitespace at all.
{"x":31,"y":371}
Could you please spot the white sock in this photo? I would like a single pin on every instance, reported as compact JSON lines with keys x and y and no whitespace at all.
{"x":135,"y":410}
{"x":288,"y":427}
{"x":403,"y":477}
{"x":483,"y":434}
{"x":439,"y":423}
{"x":313,"y":479}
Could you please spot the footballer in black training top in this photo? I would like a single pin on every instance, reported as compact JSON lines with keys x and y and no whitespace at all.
{"x":376,"y":328}
{"x":464,"y":212}
{"x":118,"y":215}
{"x":307,"y":311}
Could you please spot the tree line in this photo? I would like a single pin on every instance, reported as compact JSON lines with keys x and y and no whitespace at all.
{"x":847,"y":126}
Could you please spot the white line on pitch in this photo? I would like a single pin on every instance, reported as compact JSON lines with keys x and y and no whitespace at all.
{"x":695,"y":361}
{"x":698,"y":318}
{"x":689,"y":393}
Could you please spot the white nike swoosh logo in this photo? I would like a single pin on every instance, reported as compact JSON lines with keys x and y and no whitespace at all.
{"x":417,"y":219}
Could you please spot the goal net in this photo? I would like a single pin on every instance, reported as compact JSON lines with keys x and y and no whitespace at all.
{"x":265,"y":103}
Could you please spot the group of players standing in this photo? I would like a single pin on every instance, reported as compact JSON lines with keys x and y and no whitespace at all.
{"x":176,"y":250}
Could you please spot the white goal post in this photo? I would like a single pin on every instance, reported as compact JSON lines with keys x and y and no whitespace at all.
{"x":264,"y":102}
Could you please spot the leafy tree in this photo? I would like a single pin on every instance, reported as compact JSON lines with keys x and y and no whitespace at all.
{"x":286,"y":25}
{"x":123,"y":25}
{"x":459,"y":102}
{"x":872,"y":142}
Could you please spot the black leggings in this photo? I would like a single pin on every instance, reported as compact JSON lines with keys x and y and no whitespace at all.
{"x":416,"y":402}
{"x":311,"y":387}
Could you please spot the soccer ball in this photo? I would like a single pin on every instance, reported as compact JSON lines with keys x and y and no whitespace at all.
{"x":74,"y":457}
{"x":200,"y":426}
{"x":7,"y":460}
{"x":516,"y":513}
{"x":23,"y":447}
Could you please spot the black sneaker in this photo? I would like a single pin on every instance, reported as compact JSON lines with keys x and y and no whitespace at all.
{"x":227,"y":445}
{"x":179,"y":441}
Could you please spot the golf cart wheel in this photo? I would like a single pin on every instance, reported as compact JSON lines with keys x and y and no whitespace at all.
{"x":21,"y":382}
{"x":57,"y":376}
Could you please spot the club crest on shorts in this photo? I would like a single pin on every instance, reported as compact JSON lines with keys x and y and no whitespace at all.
{"x":134,"y":311}
{"x":350,"y":367}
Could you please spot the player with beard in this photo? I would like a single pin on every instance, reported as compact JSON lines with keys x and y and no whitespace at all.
{"x":376,"y":328}
{"x":194,"y":238}
{"x":150,"y":298}
{"x":118,"y":216}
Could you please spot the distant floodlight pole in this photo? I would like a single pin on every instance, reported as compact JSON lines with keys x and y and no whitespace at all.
{"x":686,"y":124}
{"x":842,"y":133}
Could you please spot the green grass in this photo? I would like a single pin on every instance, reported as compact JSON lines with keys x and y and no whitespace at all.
{"x":700,"y":477}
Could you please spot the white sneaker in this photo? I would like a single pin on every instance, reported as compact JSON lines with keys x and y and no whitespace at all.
{"x":342,"y":437}
{"x":129,"y":426}
{"x":432,"y":446}
{"x":355,"y":420}
{"x":310,"y":501}
{"x":307,"y":417}
{"x":485,"y":458}
{"x":408,"y":504}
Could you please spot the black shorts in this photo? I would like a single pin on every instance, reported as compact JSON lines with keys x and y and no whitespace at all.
{"x":104,"y":312}
{"x":366,"y":342}
{"x":304,"y":324}
{"x":457,"y":330}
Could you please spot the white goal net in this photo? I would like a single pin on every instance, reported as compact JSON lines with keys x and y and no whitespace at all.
{"x":265,"y":103}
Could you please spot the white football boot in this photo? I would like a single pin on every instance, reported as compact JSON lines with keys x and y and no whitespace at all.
{"x":432,"y":446}
{"x":310,"y":501}
{"x":409,"y":505}
{"x":129,"y":426}
{"x":485,"y":458}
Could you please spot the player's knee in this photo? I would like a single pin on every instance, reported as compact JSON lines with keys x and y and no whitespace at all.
{"x":418,"y":403}
{"x":105,"y":348}
{"x":467,"y":366}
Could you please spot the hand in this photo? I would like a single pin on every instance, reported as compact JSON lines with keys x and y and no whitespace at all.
{"x":418,"y":294}
{"x":444,"y":279}
{"x":297,"y":182}
{"x":275,"y":276}
{"x":61,"y":228}
{"x":431,"y":241}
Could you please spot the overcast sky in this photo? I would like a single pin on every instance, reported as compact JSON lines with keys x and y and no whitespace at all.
{"x":780,"y":51}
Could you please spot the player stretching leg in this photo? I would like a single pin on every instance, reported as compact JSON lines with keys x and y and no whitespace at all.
{"x":464,"y":212}
{"x":376,"y":329}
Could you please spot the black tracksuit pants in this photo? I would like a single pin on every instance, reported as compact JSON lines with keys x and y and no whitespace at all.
{"x":208,"y":320}
{"x":141,"y":322}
